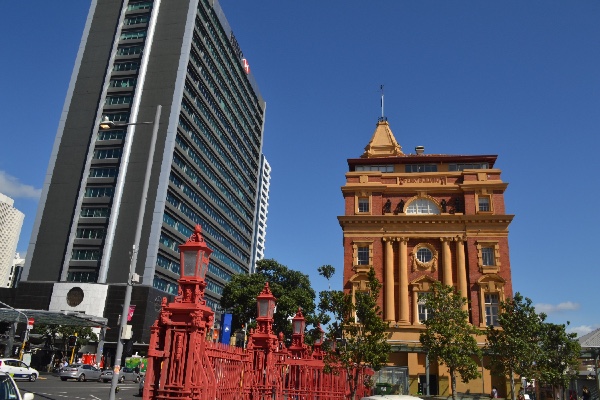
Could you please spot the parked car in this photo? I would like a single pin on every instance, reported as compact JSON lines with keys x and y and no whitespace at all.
{"x":81,"y":372}
{"x":18,"y":369}
{"x":126,"y":374}
{"x":9,"y":389}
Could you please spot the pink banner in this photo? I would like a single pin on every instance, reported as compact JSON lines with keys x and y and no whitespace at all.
{"x":130,"y":313}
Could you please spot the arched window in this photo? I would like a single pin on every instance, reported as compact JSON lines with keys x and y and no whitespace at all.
{"x":422,"y":206}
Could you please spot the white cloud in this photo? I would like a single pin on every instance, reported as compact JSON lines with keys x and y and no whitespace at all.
{"x":580,"y":330}
{"x":551,"y":308}
{"x":11,"y":187}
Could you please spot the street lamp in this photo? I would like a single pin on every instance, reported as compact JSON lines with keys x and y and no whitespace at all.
{"x":132,"y":277}
{"x":298,"y":323}
{"x":266,"y":303}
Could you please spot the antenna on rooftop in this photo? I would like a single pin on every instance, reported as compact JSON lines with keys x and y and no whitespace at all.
{"x":382,"y":118}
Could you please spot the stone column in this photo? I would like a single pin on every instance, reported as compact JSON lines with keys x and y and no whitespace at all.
{"x":461,"y":270}
{"x":404,"y":317}
{"x":389,"y":308}
{"x":446,"y":262}
{"x":415,"y":307}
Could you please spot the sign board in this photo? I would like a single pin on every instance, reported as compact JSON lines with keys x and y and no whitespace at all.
{"x":29,"y":324}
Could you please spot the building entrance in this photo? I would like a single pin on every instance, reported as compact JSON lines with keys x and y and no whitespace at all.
{"x":433,"y":385}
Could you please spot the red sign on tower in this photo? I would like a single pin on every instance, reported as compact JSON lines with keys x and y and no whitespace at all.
{"x":246,"y":66}
{"x":29,"y":323}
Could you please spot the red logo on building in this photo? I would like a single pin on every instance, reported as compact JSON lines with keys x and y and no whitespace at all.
{"x":246,"y":66}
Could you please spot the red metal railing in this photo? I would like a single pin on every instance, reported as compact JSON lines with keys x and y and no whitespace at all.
{"x":183,"y":364}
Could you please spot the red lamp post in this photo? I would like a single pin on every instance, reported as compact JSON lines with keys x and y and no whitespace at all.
{"x":178,"y":338}
{"x":265,"y":303}
{"x":263,"y":343}
{"x":318,"y":346}
{"x":194,"y":259}
{"x":298,"y":349}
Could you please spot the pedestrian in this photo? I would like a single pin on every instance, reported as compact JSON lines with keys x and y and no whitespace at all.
{"x":585,"y":393}
{"x":494,"y":394}
{"x":531,"y":392}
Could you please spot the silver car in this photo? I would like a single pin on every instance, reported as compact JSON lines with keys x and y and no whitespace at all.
{"x":126,"y":374}
{"x":81,"y":372}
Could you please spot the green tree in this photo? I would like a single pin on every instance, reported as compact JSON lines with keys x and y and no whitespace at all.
{"x":559,"y":359}
{"x":59,"y":334}
{"x":448,"y":337}
{"x":357,"y":328}
{"x":291,"y":288}
{"x":514,"y":348}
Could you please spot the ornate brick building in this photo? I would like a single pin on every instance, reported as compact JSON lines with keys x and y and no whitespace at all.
{"x":419,"y":218}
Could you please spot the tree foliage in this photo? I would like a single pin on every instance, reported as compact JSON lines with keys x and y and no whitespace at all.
{"x":560,"y":351}
{"x":291,"y":288}
{"x":357,"y":329}
{"x":448,"y":337}
{"x":57,"y":335}
{"x":514,"y":348}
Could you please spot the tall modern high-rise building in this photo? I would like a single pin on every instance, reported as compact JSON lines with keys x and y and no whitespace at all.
{"x":11,"y":221}
{"x":133,"y":57}
{"x":262,"y":207}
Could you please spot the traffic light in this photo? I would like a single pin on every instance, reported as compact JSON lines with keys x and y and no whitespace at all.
{"x":27,"y":346}
{"x":72,"y":341}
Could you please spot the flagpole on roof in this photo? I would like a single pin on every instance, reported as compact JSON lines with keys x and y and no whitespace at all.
{"x":382,"y":113}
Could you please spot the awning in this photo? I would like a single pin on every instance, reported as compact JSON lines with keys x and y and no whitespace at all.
{"x":52,"y":317}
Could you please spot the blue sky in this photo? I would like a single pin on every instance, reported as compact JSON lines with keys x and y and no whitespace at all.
{"x":520,"y":79}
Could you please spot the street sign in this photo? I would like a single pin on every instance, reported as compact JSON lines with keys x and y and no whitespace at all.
{"x":29,"y":324}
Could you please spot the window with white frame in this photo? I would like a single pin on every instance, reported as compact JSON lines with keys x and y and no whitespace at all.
{"x":422,"y":206}
{"x":424,"y":312}
{"x":492,"y":301}
{"x":363,"y":204}
{"x":424,"y":254}
{"x":363,"y":255}
{"x":484,"y":203}
{"x":488,"y":258}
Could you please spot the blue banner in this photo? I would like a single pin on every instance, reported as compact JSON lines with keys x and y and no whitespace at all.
{"x":225,"y":328}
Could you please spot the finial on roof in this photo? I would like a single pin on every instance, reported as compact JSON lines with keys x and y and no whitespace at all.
{"x":383,"y":143}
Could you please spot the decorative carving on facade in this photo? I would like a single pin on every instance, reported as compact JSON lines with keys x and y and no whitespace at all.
{"x":418,"y":264}
{"x":422,"y":284}
{"x":399,"y":208}
{"x":436,"y":180}
{"x":387,"y":207}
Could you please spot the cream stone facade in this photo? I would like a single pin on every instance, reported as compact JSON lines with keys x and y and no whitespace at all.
{"x":419,"y":218}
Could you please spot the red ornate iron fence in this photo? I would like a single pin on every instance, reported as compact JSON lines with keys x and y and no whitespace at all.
{"x":183,"y":364}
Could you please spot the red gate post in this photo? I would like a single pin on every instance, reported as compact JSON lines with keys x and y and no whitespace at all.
{"x":298,"y":348}
{"x":318,"y":353}
{"x":263,"y":343}
{"x":178,"y":339}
